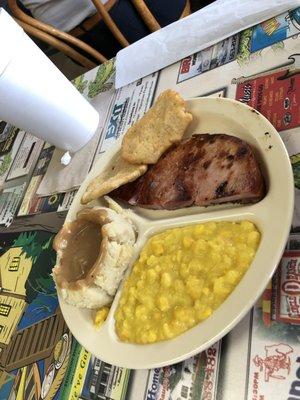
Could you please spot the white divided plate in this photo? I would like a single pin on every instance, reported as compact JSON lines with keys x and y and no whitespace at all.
{"x":272,"y":216}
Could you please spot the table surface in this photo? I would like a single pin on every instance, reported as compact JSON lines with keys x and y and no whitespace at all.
{"x":39,"y":358}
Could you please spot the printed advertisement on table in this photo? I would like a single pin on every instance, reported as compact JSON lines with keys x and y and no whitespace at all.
{"x":195,"y":378}
{"x":291,"y":139}
{"x":130,"y":103}
{"x":39,"y":358}
{"x":31,"y":203}
{"x":34,"y":338}
{"x":274,"y":348}
{"x":9,"y":201}
{"x":274,"y":95}
{"x":259,"y":359}
{"x":208,"y":59}
{"x":8,"y":134}
{"x":276,"y":30}
{"x":8,"y":157}
{"x":26,"y":156}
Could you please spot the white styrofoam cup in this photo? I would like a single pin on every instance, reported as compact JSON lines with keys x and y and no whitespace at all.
{"x":36,"y":97}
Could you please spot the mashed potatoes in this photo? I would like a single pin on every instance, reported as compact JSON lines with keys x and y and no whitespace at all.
{"x":181,"y":277}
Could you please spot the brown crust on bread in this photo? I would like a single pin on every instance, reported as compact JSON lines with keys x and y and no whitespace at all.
{"x":162,"y":125}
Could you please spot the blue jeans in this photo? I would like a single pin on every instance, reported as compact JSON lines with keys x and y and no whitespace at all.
{"x":130,"y":23}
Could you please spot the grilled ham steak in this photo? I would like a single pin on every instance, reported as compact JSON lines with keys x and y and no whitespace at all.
{"x":203,"y":170}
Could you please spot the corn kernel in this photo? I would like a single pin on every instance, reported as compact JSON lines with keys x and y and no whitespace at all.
{"x":157,"y":249}
{"x":184,"y":270}
{"x":178,"y":285}
{"x":140,"y":311}
{"x":206,"y":313}
{"x":187,"y":241}
{"x":195,"y":265}
{"x":148,"y":301}
{"x":151,"y":275}
{"x":199,"y":246}
{"x":232,"y":276}
{"x":221,"y":288}
{"x":157,"y":316}
{"x":253,"y":238}
{"x":152,"y":336}
{"x":179,"y":255}
{"x":198,"y":230}
{"x":247,"y":226}
{"x":166,"y":280}
{"x":167,"y":331}
{"x":179,"y":314}
{"x":101,"y":316}
{"x":151,"y":260}
{"x":157,"y":268}
{"x":163,"y":303}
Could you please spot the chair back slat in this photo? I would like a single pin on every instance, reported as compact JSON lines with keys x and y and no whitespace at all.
{"x":146,"y":15}
{"x":57,"y":34}
{"x":110,"y":23}
{"x":65,"y":41}
{"x":57,"y":44}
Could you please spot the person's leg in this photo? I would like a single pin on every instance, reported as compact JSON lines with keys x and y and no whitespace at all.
{"x":131,"y":24}
{"x":3,"y":4}
{"x":197,"y":4}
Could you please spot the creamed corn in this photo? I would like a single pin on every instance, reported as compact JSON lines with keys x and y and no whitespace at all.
{"x":181,"y":277}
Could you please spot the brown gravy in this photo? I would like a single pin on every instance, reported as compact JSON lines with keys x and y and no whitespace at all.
{"x":83,"y":239}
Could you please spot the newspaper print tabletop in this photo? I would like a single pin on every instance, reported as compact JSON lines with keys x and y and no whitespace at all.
{"x":260,"y":358}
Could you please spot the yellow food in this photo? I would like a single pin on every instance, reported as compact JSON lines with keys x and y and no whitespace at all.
{"x":117,"y":173}
{"x":163,"y":125}
{"x":101,"y":316}
{"x":181,"y":277}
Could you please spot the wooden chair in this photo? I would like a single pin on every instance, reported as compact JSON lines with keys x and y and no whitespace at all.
{"x":65,"y":42}
{"x":56,"y":38}
{"x":144,"y":12}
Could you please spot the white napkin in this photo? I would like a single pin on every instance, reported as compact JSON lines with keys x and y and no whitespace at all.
{"x":60,"y":178}
{"x":213,"y":23}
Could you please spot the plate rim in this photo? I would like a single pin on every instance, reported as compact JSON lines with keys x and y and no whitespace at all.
{"x":228,"y":326}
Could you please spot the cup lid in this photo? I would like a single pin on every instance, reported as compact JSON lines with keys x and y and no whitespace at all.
{"x":10,"y":35}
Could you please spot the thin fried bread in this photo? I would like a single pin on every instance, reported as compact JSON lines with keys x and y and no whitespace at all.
{"x":116,"y":174}
{"x":163,"y":125}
